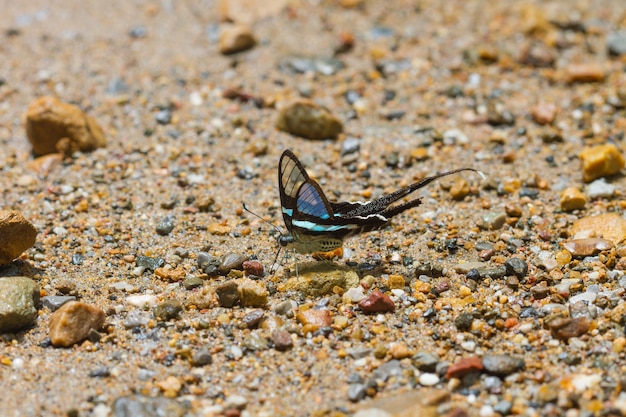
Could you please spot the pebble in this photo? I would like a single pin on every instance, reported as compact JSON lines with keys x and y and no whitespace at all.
{"x":54,"y":126}
{"x":433,"y":270}
{"x":566,"y":328}
{"x":284,"y":307}
{"x":16,"y":235}
{"x":314,"y":318}
{"x":308,"y":120}
{"x":493,"y":220}
{"x":149,"y":263}
{"x":252,"y":294}
{"x":543,"y":113}
{"x":321,"y":281}
{"x":232,"y":261}
{"x":516,"y":266}
{"x":208,"y":264}
{"x":572,"y":199}
{"x":600,"y":189}
{"x":255,"y":341}
{"x":601,"y":161}
{"x":298,"y":64}
{"x":254,"y":268}
{"x":610,"y":226}
{"x":236,"y":38}
{"x":459,"y":190}
{"x":192,"y":282}
{"x":464,"y":321}
{"x":144,"y":406}
{"x":165,"y":226}
{"x":54,"y":302}
{"x":584,"y":73}
{"x":227,"y":294}
{"x":282,"y":340}
{"x":428,"y":379}
{"x":353,"y":295}
{"x":350,"y":145}
{"x":587,"y":246}
{"x":238,"y":402}
{"x":201,"y":358}
{"x":502,"y":365}
{"x":136,"y":318}
{"x":357,"y":392}
{"x":464,"y":367}
{"x":72,"y":323}
{"x":163,"y":117}
{"x":142,"y":300}
{"x":377,"y":302}
{"x":547,"y":260}
{"x":253,"y":318}
{"x":616,"y":42}
{"x":19,"y":297}
{"x":168,"y":310}
{"x":425,"y":361}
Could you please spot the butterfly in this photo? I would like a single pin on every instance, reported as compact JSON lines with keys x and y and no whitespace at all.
{"x":316,"y":224}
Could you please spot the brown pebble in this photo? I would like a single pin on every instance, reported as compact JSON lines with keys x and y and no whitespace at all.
{"x":540,"y":291}
{"x":16,"y":235}
{"x":486,"y":254}
{"x":377,"y":302}
{"x":318,"y":318}
{"x":588,"y":246}
{"x":464,"y":367}
{"x":584,"y":73}
{"x":43,"y":165}
{"x":543,"y":113}
{"x":460,"y":189}
{"x":601,"y":161}
{"x":399,"y":350}
{"x":512,"y":210}
{"x":565,"y":328}
{"x":54,"y":126}
{"x":236,"y":38}
{"x":253,"y":267}
{"x":252,"y":294}
{"x":71,"y":323}
{"x":282,"y":340}
{"x":610,"y":226}
{"x":253,"y":318}
{"x":306,"y":119}
{"x":227,"y":294}
{"x":572,"y":199}
{"x":173,"y":275}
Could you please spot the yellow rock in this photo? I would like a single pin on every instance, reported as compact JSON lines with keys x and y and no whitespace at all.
{"x":610,"y":226}
{"x":236,"y":38}
{"x":16,"y":235}
{"x":601,"y":161}
{"x":55,"y":126}
{"x":396,"y":282}
{"x":72,"y":322}
{"x":572,"y":199}
{"x":306,"y":119}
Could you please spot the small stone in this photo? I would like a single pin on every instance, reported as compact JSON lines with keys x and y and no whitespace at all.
{"x":253,"y":267}
{"x":232,"y":261}
{"x":493,"y":220}
{"x":548,"y":393}
{"x":321,"y":281}
{"x":425,"y":361}
{"x":168,"y":310}
{"x":255,"y":341}
{"x":252,"y":294}
{"x":464,"y":367}
{"x":572,"y":199}
{"x":53,"y":126}
{"x":238,"y":402}
{"x":201,"y":358}
{"x":460,"y":189}
{"x":149,"y":263}
{"x":601,"y":161}
{"x":502,"y":365}
{"x":616,"y":42}
{"x":165,"y":226}
{"x":253,"y":318}
{"x":144,"y":406}
{"x":308,"y":120}
{"x":584,"y":73}
{"x":208,"y":264}
{"x":512,"y":210}
{"x":169,"y":274}
{"x":282,"y":340}
{"x":517,"y":267}
{"x":587,"y":246}
{"x":192,"y":282}
{"x":353,"y":295}
{"x":19,"y":297}
{"x":399,"y":350}
{"x":540,"y":291}
{"x":610,"y":226}
{"x":396,"y":281}
{"x":227,"y":294}
{"x":170,"y":386}
{"x":431,"y":270}
{"x":54,"y":302}
{"x":72,"y":322}
{"x":543,"y":113}
{"x":16,"y":235}
{"x":163,"y":117}
{"x":377,"y":302}
{"x":315,"y":318}
{"x":600,"y":189}
{"x":566,"y":328}
{"x":428,"y":379}
{"x":236,"y":38}
{"x":357,"y":392}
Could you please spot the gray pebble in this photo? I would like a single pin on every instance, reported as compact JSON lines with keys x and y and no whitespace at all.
{"x":357,"y":392}
{"x":284,"y":307}
{"x":142,"y":406}
{"x":19,"y":297}
{"x":208,"y":263}
{"x":232,"y":261}
{"x":163,"y":117}
{"x":600,"y":189}
{"x":165,"y":226}
{"x":350,"y":145}
{"x":149,"y":263}
{"x":425,"y":361}
{"x":282,"y":340}
{"x":464,"y":321}
{"x":502,"y":365}
{"x":255,"y":341}
{"x":493,"y":220}
{"x":54,"y":302}
{"x":517,"y":267}
{"x":201,"y":358}
{"x":192,"y":282}
{"x":503,"y":408}
{"x":136,"y":318}
{"x":616,"y":42}
{"x":253,"y":318}
{"x":168,"y":310}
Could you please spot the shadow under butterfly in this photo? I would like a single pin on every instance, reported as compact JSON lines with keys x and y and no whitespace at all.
{"x":315,"y":224}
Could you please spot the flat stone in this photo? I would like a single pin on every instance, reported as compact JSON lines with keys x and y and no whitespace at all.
{"x":320,"y":280}
{"x":252,"y":294}
{"x":610,"y":226}
{"x":143,"y":406}
{"x":19,"y":297}
{"x":54,"y":302}
{"x":308,"y":120}
{"x":72,"y":322}
{"x":502,"y":365}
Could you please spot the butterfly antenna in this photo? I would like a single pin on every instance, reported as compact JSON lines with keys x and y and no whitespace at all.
{"x":273,"y":226}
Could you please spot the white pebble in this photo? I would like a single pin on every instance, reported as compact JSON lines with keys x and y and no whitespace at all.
{"x":599,"y":189}
{"x":17,"y":363}
{"x":469,"y":346}
{"x":142,"y":300}
{"x":236,"y":352}
{"x":353,"y":295}
{"x":486,"y":411}
{"x":428,"y":379}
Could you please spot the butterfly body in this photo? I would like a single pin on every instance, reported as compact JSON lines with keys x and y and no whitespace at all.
{"x":318,"y":225}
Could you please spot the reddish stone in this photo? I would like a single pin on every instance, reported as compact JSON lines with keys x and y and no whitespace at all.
{"x":377,"y":302}
{"x":564,"y":328}
{"x":253,"y":267}
{"x":464,"y":367}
